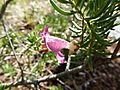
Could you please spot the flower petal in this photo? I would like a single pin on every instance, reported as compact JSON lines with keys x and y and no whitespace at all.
{"x":46,"y":31}
{"x":55,"y":44}
{"x":60,"y":57}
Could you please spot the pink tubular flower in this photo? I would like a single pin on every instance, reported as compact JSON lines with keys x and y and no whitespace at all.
{"x":54,"y":44}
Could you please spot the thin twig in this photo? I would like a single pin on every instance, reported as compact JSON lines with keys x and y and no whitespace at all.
{"x":3,"y":8}
{"x":61,"y":82}
{"x":68,"y":68}
{"x":12,"y":47}
{"x":45,"y":78}
{"x":116,"y":50}
{"x":68,"y":63}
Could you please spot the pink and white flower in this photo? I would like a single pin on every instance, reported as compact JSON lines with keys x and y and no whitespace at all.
{"x":54,"y":44}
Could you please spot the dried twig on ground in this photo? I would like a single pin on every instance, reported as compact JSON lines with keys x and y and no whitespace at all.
{"x":68,"y":63}
{"x":45,"y":78}
{"x":60,"y":81}
{"x":12,"y":47}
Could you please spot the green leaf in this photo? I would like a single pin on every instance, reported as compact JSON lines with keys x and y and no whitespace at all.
{"x":39,"y":27}
{"x":110,"y":22}
{"x":60,"y":10}
{"x":100,"y":22}
{"x":63,"y":1}
{"x":56,"y":88}
{"x":1,"y":87}
{"x":76,"y":25}
{"x":100,"y":39}
{"x":8,"y":68}
{"x":86,"y":41}
{"x":103,"y":8}
{"x":74,"y":30}
{"x":81,"y":4}
{"x":107,"y":13}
